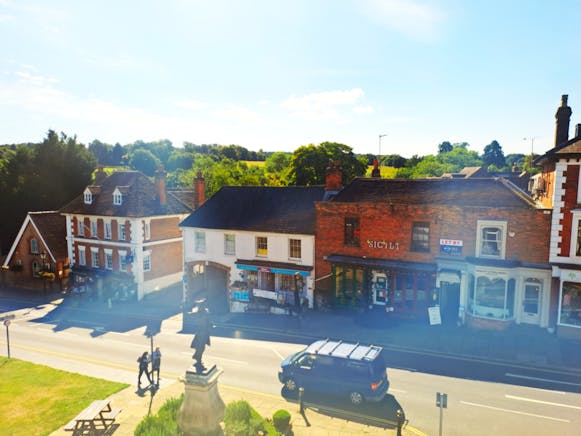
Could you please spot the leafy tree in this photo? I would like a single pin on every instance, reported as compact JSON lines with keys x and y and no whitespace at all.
{"x":445,"y":147}
{"x":180,"y":159}
{"x":101,"y":151}
{"x":458,"y":158}
{"x":309,"y":163}
{"x":394,"y":160}
{"x":144,"y":161}
{"x":277,"y":162}
{"x":493,"y":155}
{"x":517,"y":159}
{"x":118,"y":155}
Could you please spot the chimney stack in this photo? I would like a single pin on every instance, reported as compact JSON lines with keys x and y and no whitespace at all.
{"x":160,"y":185}
{"x":375,"y":172}
{"x":562,"y":117}
{"x":199,"y":190}
{"x":333,"y":176}
{"x":100,"y":175}
{"x":578,"y":131}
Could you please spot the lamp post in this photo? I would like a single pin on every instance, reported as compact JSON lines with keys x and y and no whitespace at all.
{"x":380,"y":136}
{"x":42,"y":271}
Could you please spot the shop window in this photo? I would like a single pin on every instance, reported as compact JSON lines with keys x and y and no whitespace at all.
{"x":491,"y":239}
{"x":421,"y":237}
{"x":570,"y":304}
{"x":294,"y":246}
{"x":261,"y":246}
{"x":492,"y":298}
{"x":200,"y":242}
{"x":352,"y":232}
{"x":578,"y":250}
{"x":230,"y":244}
{"x":266,"y":280}
{"x":349,"y":283}
{"x":33,"y":246}
{"x":286,"y":282}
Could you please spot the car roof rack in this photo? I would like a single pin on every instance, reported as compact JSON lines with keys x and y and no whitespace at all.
{"x":323,"y":343}
{"x":335,"y":347}
{"x":371,"y":348}
{"x":354,"y":348}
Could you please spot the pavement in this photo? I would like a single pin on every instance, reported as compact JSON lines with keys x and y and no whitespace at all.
{"x":524,"y":345}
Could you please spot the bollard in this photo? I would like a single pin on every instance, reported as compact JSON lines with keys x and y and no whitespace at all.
{"x":400,"y":421}
{"x":301,"y":405}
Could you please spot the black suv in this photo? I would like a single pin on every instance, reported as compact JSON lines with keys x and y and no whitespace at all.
{"x":336,"y":367}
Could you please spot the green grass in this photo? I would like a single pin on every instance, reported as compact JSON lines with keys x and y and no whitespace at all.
{"x":37,"y":400}
{"x":386,"y":172}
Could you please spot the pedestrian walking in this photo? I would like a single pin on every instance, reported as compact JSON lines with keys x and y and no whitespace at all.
{"x":155,"y":364}
{"x":143,"y":361}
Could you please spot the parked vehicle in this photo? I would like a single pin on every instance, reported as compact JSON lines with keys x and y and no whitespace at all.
{"x":346,"y":369}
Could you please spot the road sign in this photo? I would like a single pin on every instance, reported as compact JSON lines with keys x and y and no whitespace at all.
{"x":7,"y":317}
{"x":442,"y":400}
{"x":7,"y":322}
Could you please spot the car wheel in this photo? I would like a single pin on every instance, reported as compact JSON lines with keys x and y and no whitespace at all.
{"x":290,"y":384}
{"x":356,"y":398}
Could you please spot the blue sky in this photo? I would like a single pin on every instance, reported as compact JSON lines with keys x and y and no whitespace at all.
{"x":275,"y":75}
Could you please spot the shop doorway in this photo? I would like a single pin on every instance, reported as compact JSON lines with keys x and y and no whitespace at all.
{"x":531,"y":302}
{"x":449,"y":302}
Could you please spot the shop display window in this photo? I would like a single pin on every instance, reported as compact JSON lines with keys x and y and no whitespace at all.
{"x":570,"y":304}
{"x":492,"y":298}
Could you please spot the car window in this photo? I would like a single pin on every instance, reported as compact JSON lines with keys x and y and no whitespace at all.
{"x":306,"y":361}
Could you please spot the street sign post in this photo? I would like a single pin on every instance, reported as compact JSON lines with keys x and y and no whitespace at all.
{"x":6,"y":319}
{"x":442,"y":403}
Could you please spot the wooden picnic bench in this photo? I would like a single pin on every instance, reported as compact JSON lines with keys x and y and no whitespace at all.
{"x":97,"y":416}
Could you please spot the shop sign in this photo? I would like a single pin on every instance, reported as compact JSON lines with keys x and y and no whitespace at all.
{"x":264,"y":294}
{"x":384,"y":245}
{"x":263,"y":269}
{"x":451,"y":247}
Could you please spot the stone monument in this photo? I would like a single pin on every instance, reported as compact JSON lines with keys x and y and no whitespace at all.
{"x":203,"y":409}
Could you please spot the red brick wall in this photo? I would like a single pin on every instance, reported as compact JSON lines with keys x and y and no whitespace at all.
{"x":165,"y":259}
{"x":570,"y":202}
{"x":530,"y":242}
{"x":165,"y":228}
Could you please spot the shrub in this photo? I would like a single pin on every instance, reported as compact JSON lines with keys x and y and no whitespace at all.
{"x":281,"y":420}
{"x":241,"y":419}
{"x":164,"y":423}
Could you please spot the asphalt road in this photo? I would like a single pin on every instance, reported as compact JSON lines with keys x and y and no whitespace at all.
{"x":483,"y":398}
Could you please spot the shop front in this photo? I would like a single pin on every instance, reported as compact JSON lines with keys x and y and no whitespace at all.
{"x":569,"y":303}
{"x":102,"y":284}
{"x":405,"y":289}
{"x":274,"y":287}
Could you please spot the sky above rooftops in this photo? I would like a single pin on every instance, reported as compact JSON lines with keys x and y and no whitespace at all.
{"x":275,"y":75}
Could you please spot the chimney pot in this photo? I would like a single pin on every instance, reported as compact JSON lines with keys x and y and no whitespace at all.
{"x":160,"y":185}
{"x":199,"y":190}
{"x":562,"y":119}
{"x":578,"y":131}
{"x":333,"y":177}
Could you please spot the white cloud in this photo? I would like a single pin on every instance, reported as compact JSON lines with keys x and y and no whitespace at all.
{"x":363,"y":109}
{"x":238,"y":113}
{"x":413,"y":18}
{"x":191,"y":104}
{"x":34,"y":79}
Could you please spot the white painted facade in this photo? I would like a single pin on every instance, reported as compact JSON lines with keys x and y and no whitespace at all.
{"x":246,"y":249}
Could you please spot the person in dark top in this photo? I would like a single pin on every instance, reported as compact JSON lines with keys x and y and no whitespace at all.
{"x":155,"y":364}
{"x":143,"y":361}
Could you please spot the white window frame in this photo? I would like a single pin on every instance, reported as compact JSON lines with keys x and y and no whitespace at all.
{"x":147,"y":230}
{"x":88,"y":196}
{"x":290,"y":248}
{"x":117,"y":197}
{"x":82,"y":255}
{"x":81,"y":226}
{"x":122,"y":260}
{"x":502,"y":225}
{"x":95,"y":257}
{"x":121,"y":228}
{"x":261,"y":252}
{"x":108,"y":259}
{"x":575,"y":246}
{"x":146,"y":261}
{"x":230,"y":244}
{"x":107,"y":229}
{"x":199,"y":241}
{"x":94,"y":229}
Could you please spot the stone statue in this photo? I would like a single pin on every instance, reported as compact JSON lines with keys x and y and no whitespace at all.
{"x":202,"y":338}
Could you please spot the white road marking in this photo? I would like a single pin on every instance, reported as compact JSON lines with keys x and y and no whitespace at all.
{"x":549,"y":403}
{"x":280,"y":356}
{"x":508,"y":374}
{"x":399,"y":391}
{"x":513,"y":411}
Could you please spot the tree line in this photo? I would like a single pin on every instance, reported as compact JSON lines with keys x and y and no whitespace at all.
{"x":47,"y":175}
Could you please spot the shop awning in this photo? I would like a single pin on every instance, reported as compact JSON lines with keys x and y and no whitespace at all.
{"x":381,"y":263}
{"x":273,"y":267}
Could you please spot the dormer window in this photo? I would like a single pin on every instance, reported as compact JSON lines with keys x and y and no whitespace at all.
{"x":88,"y":196}
{"x":117,"y":197}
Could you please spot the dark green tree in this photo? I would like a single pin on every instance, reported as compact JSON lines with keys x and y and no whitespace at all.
{"x":493,"y":155}
{"x":277,"y":162}
{"x":144,"y":161}
{"x":102,"y":152}
{"x":445,"y":147}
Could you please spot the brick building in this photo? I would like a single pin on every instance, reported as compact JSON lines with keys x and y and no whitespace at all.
{"x":558,"y":187}
{"x":477,"y":248}
{"x":122,"y":235}
{"x":38,"y":256}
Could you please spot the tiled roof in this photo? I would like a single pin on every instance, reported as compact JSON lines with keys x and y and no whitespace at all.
{"x":495,"y":192}
{"x":52,"y":228}
{"x":140,"y":198}
{"x":259,"y":208}
{"x":570,"y":148}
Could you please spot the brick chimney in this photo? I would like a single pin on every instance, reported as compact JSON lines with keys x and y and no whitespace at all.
{"x":333,"y":176}
{"x":375,"y":172}
{"x":578,"y":131}
{"x":199,"y":190}
{"x":160,"y":185}
{"x":562,"y":117}
{"x":100,"y":175}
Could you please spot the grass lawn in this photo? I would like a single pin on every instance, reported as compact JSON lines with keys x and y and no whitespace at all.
{"x":37,"y":400}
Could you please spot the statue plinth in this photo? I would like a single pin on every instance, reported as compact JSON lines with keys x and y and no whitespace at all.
{"x":203,"y":409}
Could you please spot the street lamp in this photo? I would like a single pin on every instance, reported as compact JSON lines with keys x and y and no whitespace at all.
{"x":532,"y":142}
{"x":380,"y":136}
{"x":42,"y":271}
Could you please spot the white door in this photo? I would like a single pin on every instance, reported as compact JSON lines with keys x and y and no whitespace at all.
{"x":531,"y":303}
{"x":380,"y":290}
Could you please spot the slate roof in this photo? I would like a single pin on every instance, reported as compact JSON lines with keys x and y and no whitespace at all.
{"x":259,"y":208}
{"x":571,"y":148}
{"x":485,"y":192}
{"x":140,"y":198}
{"x":52,"y":227}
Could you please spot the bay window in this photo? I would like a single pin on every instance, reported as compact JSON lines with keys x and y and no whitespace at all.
{"x":492,"y":297}
{"x":570,"y":304}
